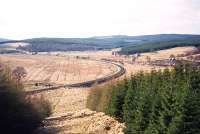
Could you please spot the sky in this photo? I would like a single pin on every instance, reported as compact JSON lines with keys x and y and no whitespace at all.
{"x":20,"y":19}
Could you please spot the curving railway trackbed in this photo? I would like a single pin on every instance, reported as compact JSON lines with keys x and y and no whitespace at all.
{"x":120,"y":71}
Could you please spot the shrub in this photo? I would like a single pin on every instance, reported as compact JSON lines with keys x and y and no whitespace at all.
{"x":41,"y":105}
{"x":108,"y":98}
{"x":18,"y":114}
{"x":99,"y":97}
{"x":93,"y":98}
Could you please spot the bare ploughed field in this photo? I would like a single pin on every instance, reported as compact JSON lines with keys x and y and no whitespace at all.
{"x":57,"y":69}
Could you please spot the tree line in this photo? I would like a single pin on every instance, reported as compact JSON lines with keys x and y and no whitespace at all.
{"x":160,"y":102}
{"x":158,"y":45}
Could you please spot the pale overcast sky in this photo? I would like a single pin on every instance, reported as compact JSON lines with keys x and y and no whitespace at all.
{"x":83,"y":18}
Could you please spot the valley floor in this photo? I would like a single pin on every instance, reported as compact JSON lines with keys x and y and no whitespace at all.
{"x":70,"y":115}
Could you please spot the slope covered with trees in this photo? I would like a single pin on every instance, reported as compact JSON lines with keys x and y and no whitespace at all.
{"x":99,"y":42}
{"x":160,"y":102}
{"x":159,"y":45}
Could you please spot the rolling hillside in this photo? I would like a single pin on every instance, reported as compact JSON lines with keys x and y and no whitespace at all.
{"x":159,"y":45}
{"x":128,"y":43}
{"x":3,"y":40}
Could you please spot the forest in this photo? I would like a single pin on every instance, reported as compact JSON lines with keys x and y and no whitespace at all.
{"x":159,"y":102}
{"x":159,"y":45}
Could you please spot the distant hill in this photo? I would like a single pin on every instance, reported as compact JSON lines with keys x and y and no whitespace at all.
{"x":3,"y":40}
{"x":64,"y":44}
{"x":159,"y":45}
{"x":99,"y":42}
{"x":146,"y":38}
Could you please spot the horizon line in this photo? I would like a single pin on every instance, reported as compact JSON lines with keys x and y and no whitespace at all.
{"x":96,"y":36}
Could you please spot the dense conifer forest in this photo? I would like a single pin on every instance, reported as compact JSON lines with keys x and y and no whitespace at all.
{"x":159,"y":45}
{"x":160,"y":102}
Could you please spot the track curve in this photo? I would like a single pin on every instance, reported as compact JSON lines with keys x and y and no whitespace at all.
{"x":120,"y":71}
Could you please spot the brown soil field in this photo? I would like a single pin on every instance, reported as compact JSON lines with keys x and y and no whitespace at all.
{"x":162,"y":54}
{"x":58,"y":70}
{"x":156,"y":55}
{"x":135,"y":68}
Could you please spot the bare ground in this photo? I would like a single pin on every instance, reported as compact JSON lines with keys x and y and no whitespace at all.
{"x":82,"y":122}
{"x":70,"y":115}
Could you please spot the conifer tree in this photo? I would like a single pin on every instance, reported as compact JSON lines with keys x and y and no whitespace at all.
{"x":130,"y":105}
{"x":191,"y":115}
{"x":154,"y":125}
{"x":117,"y":100}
